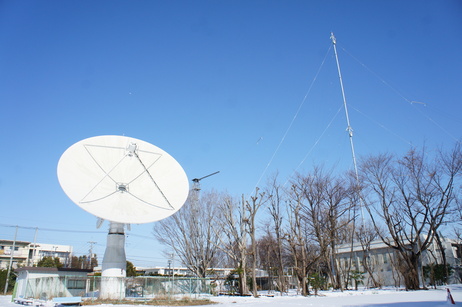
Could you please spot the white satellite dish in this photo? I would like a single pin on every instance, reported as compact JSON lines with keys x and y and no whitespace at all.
{"x":122,"y":179}
{"x":125,"y":181}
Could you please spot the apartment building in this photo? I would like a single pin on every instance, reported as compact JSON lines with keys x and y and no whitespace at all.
{"x":17,"y":253}
{"x":22,"y":253}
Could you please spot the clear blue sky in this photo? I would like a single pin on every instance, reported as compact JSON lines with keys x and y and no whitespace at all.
{"x":216,"y":84}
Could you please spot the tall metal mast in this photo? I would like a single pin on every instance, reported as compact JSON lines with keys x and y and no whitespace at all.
{"x":196,"y":184}
{"x":349,"y":129}
{"x":197,"y":187}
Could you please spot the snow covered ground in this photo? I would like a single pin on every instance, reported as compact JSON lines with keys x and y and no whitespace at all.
{"x":378,"y":298}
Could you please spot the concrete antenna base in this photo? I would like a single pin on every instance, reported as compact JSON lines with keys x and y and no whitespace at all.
{"x":114,"y":264}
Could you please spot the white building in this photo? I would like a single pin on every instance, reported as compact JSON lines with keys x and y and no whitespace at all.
{"x":19,"y":253}
{"x":179,"y":271}
{"x":40,"y":250}
{"x":23,"y":253}
{"x":382,"y":260}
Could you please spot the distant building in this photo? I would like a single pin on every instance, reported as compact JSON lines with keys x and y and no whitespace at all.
{"x":19,"y":253}
{"x":40,"y":250}
{"x":181,"y":271}
{"x":382,"y":260}
{"x":29,"y":254}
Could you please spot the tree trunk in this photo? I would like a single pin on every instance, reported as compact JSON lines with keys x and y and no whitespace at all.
{"x":252,"y":208}
{"x":443,"y":254}
{"x":301,"y":276}
{"x":409,"y":268}
{"x":243,"y":290}
{"x":254,"y":271}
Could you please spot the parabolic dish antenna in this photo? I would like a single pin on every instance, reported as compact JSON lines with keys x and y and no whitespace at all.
{"x":122,"y":179}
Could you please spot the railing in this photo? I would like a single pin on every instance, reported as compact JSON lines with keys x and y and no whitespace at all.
{"x":130,"y":287}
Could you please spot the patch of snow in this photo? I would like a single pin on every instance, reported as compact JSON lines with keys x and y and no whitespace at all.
{"x":360,"y":298}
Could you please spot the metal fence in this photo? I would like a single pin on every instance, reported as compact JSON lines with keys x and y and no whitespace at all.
{"x":130,"y":287}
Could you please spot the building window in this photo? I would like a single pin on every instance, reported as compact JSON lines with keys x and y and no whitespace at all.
{"x":385,"y":258}
{"x":76,"y":284}
{"x":458,"y":250}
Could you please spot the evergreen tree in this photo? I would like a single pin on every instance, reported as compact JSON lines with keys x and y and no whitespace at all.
{"x":50,"y":262}
{"x":131,"y":269}
{"x":11,"y":280}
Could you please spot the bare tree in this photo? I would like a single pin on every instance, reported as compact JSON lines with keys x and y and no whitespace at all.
{"x":252,"y":207}
{"x":232,"y":225}
{"x":365,"y":235}
{"x":274,"y":208}
{"x":326,"y":204}
{"x":296,"y":238}
{"x":305,"y":255}
{"x":189,"y":232}
{"x":337,"y":205}
{"x":269,"y":258}
{"x":412,"y":197}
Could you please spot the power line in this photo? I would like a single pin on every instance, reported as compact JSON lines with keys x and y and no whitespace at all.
{"x":129,"y":234}
{"x":51,"y":229}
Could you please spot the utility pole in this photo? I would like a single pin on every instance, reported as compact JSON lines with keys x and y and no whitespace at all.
{"x":91,"y":253}
{"x":30,"y":261}
{"x":11,"y":261}
{"x":172,"y":261}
